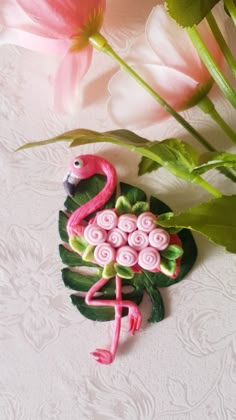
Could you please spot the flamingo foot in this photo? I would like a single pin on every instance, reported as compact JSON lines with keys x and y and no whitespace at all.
{"x":134,"y":320}
{"x":103,"y":356}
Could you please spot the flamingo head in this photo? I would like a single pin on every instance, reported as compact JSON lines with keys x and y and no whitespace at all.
{"x":81,"y":167}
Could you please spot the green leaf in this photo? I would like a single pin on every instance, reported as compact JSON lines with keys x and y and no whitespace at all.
{"x":73,"y":259}
{"x":212,"y":160}
{"x":172,"y":252}
{"x":158,"y":310}
{"x":189,"y":246}
{"x":109,"y":271}
{"x":104,"y":313}
{"x":81,"y":282}
{"x":189,"y":12}
{"x":214,"y":219}
{"x":140,"y":207}
{"x":133,"y":194}
{"x":167,"y":216}
{"x":88,"y":254}
{"x":85,"y":191}
{"x":124,"y":272}
{"x":95,"y":313}
{"x":147,"y":165}
{"x":83,"y":136}
{"x":62,"y":222}
{"x":158,"y":207}
{"x":78,"y":244}
{"x":168,"y":266}
{"x":175,"y":155}
{"x":122,"y":205}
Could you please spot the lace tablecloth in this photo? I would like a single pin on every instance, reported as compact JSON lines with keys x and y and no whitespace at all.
{"x":183,"y":368}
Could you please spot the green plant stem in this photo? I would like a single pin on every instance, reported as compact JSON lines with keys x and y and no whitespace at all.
{"x":231,"y":9}
{"x":211,"y":65}
{"x":99,"y":42}
{"x":221,"y":41}
{"x":208,"y":187}
{"x":207,"y":106}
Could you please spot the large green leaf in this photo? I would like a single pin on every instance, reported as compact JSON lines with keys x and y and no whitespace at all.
{"x":132,"y":194}
{"x":105,"y":313}
{"x":189,"y":12}
{"x":175,"y":155}
{"x":214,"y":219}
{"x":212,"y":160}
{"x":84,"y":136}
{"x":158,"y":310}
{"x":147,"y":165}
{"x":73,"y":259}
{"x":62,"y":222}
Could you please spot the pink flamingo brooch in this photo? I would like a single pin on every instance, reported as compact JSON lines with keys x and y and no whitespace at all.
{"x":120,"y":243}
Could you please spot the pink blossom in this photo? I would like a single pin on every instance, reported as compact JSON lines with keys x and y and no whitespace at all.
{"x":59,"y":27}
{"x":169,"y":63}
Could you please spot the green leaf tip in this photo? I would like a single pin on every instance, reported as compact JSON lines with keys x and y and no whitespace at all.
{"x":189,"y":12}
{"x":214,"y":219}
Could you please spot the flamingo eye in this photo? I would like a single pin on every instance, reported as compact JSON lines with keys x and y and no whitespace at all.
{"x":78,"y":163}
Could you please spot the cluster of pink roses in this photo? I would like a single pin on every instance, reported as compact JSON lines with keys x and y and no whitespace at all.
{"x":127,"y":239}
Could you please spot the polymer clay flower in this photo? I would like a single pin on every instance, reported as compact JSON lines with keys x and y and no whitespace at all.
{"x":55,"y":27}
{"x":166,"y":59}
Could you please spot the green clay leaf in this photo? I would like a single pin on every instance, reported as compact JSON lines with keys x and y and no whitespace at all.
{"x":62,"y":222}
{"x":147,"y":165}
{"x":73,"y":259}
{"x":122,"y":205}
{"x":109,"y":271}
{"x":158,"y":310}
{"x":132,"y":194}
{"x":85,"y":191}
{"x":88,"y":254}
{"x":189,"y":12}
{"x":124,"y":272}
{"x":78,"y":244}
{"x":214,"y":219}
{"x":172,"y":252}
{"x":167,"y":266}
{"x":140,"y":207}
{"x":81,"y":282}
{"x":212,"y":160}
{"x":105,"y":313}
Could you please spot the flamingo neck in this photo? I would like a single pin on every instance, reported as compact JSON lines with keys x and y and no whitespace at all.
{"x":104,"y":168}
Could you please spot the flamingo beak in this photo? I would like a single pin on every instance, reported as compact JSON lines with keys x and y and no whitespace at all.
{"x":70,"y":182}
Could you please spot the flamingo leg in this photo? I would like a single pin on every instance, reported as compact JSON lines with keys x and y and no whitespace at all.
{"x":134,"y":317}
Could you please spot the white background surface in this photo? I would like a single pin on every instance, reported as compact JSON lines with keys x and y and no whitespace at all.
{"x":183,"y":368}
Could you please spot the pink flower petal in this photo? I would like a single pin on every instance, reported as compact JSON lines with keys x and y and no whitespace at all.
{"x":172,"y":44}
{"x":61,"y":18}
{"x":72,"y":69}
{"x":132,"y":107}
{"x":34,"y":42}
{"x":12,"y":16}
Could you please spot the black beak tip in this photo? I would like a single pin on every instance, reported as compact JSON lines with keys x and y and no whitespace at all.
{"x":69,"y":188}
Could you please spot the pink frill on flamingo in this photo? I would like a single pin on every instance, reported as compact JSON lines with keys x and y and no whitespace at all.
{"x":119,"y":243}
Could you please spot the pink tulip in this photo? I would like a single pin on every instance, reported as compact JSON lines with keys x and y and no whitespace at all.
{"x":59,"y":27}
{"x":168,"y":62}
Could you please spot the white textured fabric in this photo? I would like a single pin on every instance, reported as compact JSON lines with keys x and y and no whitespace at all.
{"x":183,"y":368}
